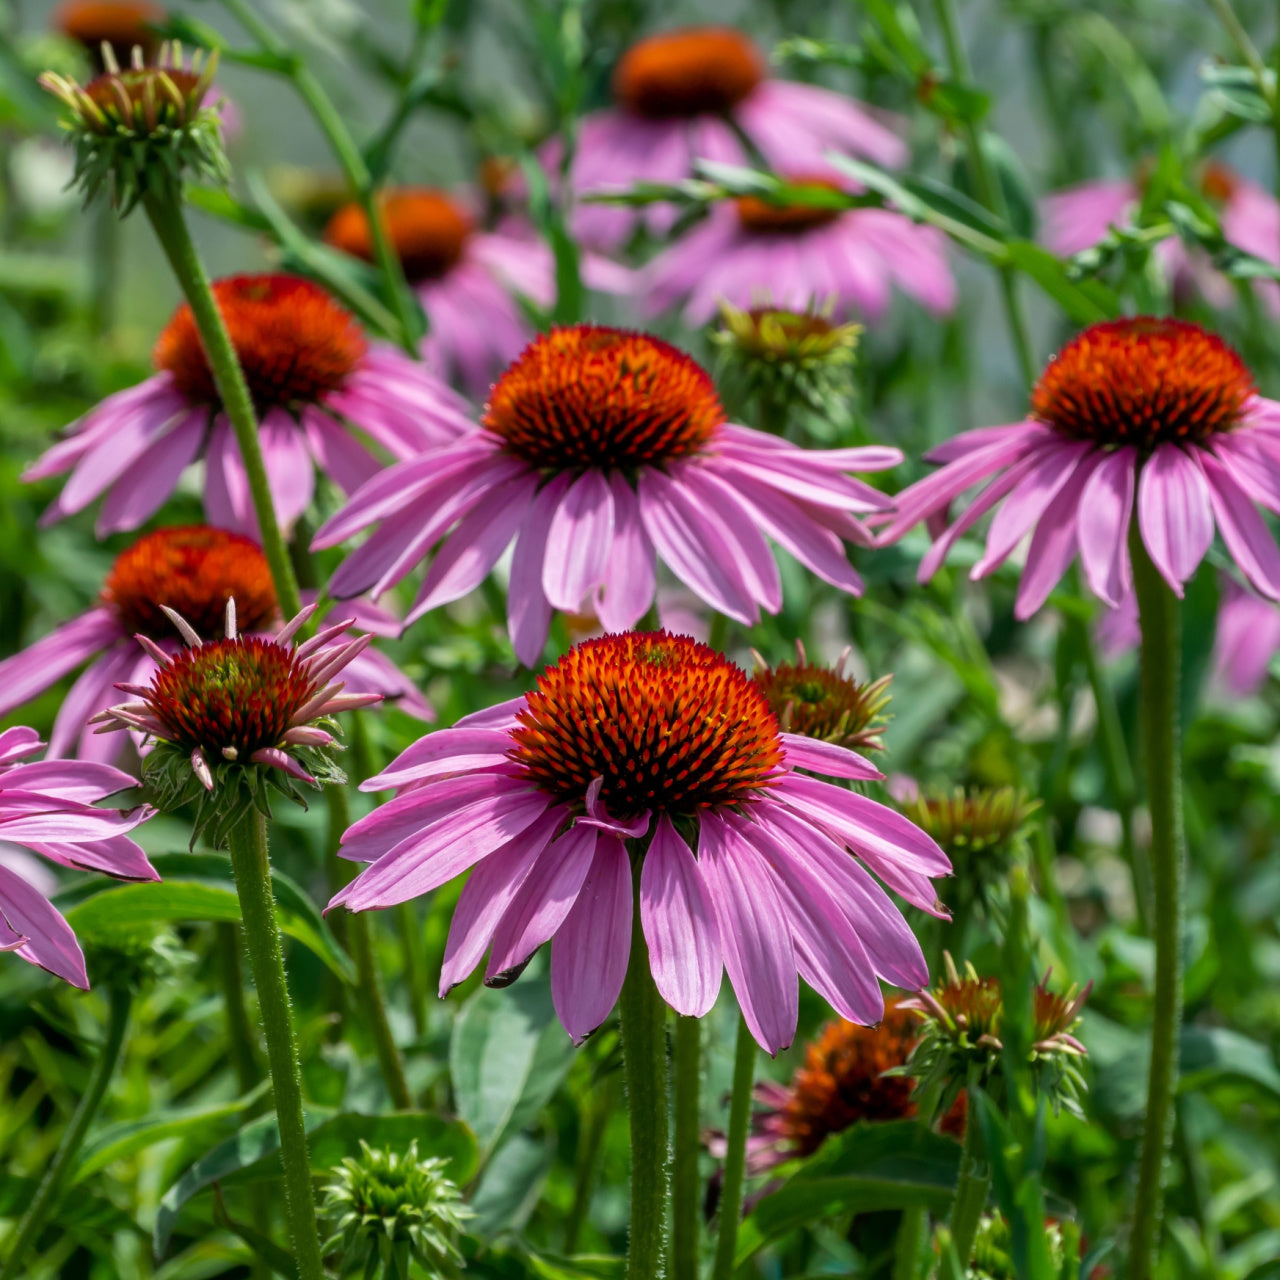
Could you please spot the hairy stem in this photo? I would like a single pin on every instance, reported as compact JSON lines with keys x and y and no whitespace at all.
{"x":249,"y":862}
{"x":735,"y":1160}
{"x":906,"y":1256}
{"x":51,"y":1184}
{"x":644,"y":1057}
{"x":684,"y":1178}
{"x":1160,"y":621}
{"x":164,"y":209}
{"x":971,"y":1194}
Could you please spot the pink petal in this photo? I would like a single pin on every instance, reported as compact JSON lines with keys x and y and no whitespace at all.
{"x":629,"y":577}
{"x":41,"y":665}
{"x":1175,"y":513}
{"x":50,"y":942}
{"x":679,"y":923}
{"x":528,"y":609}
{"x":578,"y":542}
{"x":1243,"y":529}
{"x":826,"y":757}
{"x":1106,"y":505}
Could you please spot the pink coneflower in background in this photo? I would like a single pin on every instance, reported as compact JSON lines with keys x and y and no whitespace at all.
{"x":798,"y":256}
{"x":1149,"y":417}
{"x":467,"y":278}
{"x":194,"y":570}
{"x":243,"y":700}
{"x":652,"y":736}
{"x":599,"y":452}
{"x":47,"y":807}
{"x":681,"y":96}
{"x":1078,"y":217}
{"x":319,"y":388}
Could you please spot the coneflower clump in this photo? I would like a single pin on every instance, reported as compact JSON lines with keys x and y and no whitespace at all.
{"x":144,"y":124}
{"x":392,"y":1208}
{"x":235,"y":718}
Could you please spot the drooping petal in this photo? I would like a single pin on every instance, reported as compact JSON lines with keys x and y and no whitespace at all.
{"x":42,"y":664}
{"x":578,"y":542}
{"x":51,"y":944}
{"x":629,"y":579}
{"x":679,"y":923}
{"x":1106,"y":506}
{"x":754,"y":934}
{"x":528,"y":609}
{"x":1242,"y":528}
{"x":1175,"y":513}
{"x":828,"y":758}
{"x":591,"y":948}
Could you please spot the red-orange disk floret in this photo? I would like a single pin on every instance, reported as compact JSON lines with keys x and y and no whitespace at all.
{"x":230,"y":698}
{"x":764,"y":219}
{"x":1143,"y":381}
{"x":690,"y":72}
{"x":590,"y":396}
{"x":193,"y":570}
{"x":120,"y":24}
{"x":670,"y":725}
{"x":427,"y":229}
{"x":119,"y":94}
{"x":294,"y":341}
{"x":843,"y":1081}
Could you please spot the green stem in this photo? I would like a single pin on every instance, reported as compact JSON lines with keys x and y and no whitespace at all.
{"x":600,"y":1107}
{"x":360,"y":941}
{"x":409,"y":932}
{"x":352,"y":163}
{"x":46,"y":1197}
{"x":1160,"y":621}
{"x":684,"y":1176}
{"x":371,"y":992}
{"x":239,"y":1031}
{"x":164,"y":209}
{"x":971,"y":1194}
{"x":735,"y":1160}
{"x":987,"y":189}
{"x":644,"y":1059}
{"x":1115,"y":760}
{"x":105,"y":270}
{"x":907,"y":1254}
{"x":249,"y":862}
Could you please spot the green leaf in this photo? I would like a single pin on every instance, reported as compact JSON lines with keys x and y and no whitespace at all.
{"x":253,"y":1154}
{"x":509,"y":1188}
{"x":1085,"y":301}
{"x":1209,"y":1054}
{"x":507,"y":1057}
{"x":866,"y":1168}
{"x":119,"y":1141}
{"x":195,"y":886}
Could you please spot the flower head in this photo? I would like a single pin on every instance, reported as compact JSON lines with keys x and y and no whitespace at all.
{"x":235,"y":716}
{"x":960,"y":1037}
{"x":688,"y":94}
{"x":145,"y":124}
{"x":653,"y":756}
{"x":122,"y":25}
{"x":49,"y":807}
{"x":823,"y":702}
{"x":385,"y":1199}
{"x":467,"y":278}
{"x":790,"y":359}
{"x":600,"y":451}
{"x":193,"y":571}
{"x":322,"y":389}
{"x":1149,"y":417}
{"x":750,"y":252}
{"x":978,"y":828}
{"x":850,"y":1075}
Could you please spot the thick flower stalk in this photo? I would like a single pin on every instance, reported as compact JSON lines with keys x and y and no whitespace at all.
{"x":320,"y":388}
{"x":234,"y":719}
{"x":50,"y":808}
{"x":192,"y":570}
{"x":600,"y":452}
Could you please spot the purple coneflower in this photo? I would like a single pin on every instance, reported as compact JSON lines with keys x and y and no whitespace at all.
{"x":748,"y":251}
{"x":244,"y":699}
{"x":193,"y":570}
{"x":1149,"y":417}
{"x":319,"y":388}
{"x":684,"y":95}
{"x":654,"y":742}
{"x":47,"y":806}
{"x":599,"y":451}
{"x":467,"y":278}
